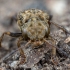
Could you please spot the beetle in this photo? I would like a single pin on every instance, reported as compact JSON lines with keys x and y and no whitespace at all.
{"x":35,"y":29}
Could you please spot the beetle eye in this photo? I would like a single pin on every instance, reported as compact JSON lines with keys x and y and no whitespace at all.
{"x":20,"y":17}
{"x":26,"y":20}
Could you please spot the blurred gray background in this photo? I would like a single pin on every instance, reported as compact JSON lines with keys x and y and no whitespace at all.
{"x":58,"y":8}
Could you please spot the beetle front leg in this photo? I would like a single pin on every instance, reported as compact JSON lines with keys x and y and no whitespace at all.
{"x":54,"y":59}
{"x":10,"y":34}
{"x":54,"y":44}
{"x":23,"y":57}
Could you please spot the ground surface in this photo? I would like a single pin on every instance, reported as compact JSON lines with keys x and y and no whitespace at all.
{"x":40,"y":59}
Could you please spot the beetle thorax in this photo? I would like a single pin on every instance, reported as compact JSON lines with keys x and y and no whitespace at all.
{"x":36,"y":29}
{"x":34,"y":23}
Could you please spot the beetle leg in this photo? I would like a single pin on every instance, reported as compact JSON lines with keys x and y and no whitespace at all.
{"x":62,"y":28}
{"x":23,"y":57}
{"x":54,"y":44}
{"x":10,"y":34}
{"x":54,"y":59}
